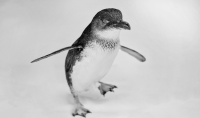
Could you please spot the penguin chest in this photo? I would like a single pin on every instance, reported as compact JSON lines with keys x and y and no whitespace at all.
{"x":94,"y":64}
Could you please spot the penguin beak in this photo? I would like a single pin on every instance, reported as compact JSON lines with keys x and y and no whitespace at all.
{"x":119,"y":25}
{"x":123,"y":24}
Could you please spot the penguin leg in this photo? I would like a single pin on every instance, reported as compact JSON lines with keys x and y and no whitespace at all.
{"x":104,"y":88}
{"x":79,"y":110}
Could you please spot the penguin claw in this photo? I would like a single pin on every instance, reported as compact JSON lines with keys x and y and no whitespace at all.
{"x":104,"y":88}
{"x":81,"y":111}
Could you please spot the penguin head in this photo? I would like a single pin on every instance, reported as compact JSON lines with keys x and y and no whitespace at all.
{"x":109,"y":19}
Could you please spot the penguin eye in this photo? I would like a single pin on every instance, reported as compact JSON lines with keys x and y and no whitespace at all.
{"x":105,"y":21}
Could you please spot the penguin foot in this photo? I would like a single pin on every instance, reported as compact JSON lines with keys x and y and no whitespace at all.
{"x":81,"y":111}
{"x":104,"y":88}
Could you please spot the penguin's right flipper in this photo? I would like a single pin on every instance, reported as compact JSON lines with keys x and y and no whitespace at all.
{"x":133,"y":53}
{"x":56,"y":52}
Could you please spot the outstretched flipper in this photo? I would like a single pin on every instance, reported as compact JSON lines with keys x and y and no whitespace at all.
{"x":56,"y":52}
{"x":104,"y":88}
{"x":133,"y":53}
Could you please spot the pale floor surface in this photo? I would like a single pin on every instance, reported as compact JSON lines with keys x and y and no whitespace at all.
{"x":32,"y":94}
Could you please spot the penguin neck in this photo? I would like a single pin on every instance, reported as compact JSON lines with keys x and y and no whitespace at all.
{"x":109,"y":34}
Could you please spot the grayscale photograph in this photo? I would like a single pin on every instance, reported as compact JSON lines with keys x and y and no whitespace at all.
{"x":99,"y":59}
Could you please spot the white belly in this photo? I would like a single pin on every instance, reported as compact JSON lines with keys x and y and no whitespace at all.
{"x":93,"y":66}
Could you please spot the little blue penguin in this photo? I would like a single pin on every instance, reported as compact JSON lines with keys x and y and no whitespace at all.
{"x":90,"y":57}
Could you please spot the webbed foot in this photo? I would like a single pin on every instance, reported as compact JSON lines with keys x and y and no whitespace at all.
{"x":81,"y":111}
{"x":104,"y":88}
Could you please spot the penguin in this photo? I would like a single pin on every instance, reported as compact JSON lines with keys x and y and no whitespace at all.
{"x":90,"y":57}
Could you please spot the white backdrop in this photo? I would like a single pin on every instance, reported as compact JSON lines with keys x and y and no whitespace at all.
{"x":166,"y":32}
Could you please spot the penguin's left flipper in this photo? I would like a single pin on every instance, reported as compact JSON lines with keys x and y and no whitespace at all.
{"x":133,"y":53}
{"x":56,"y":52}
